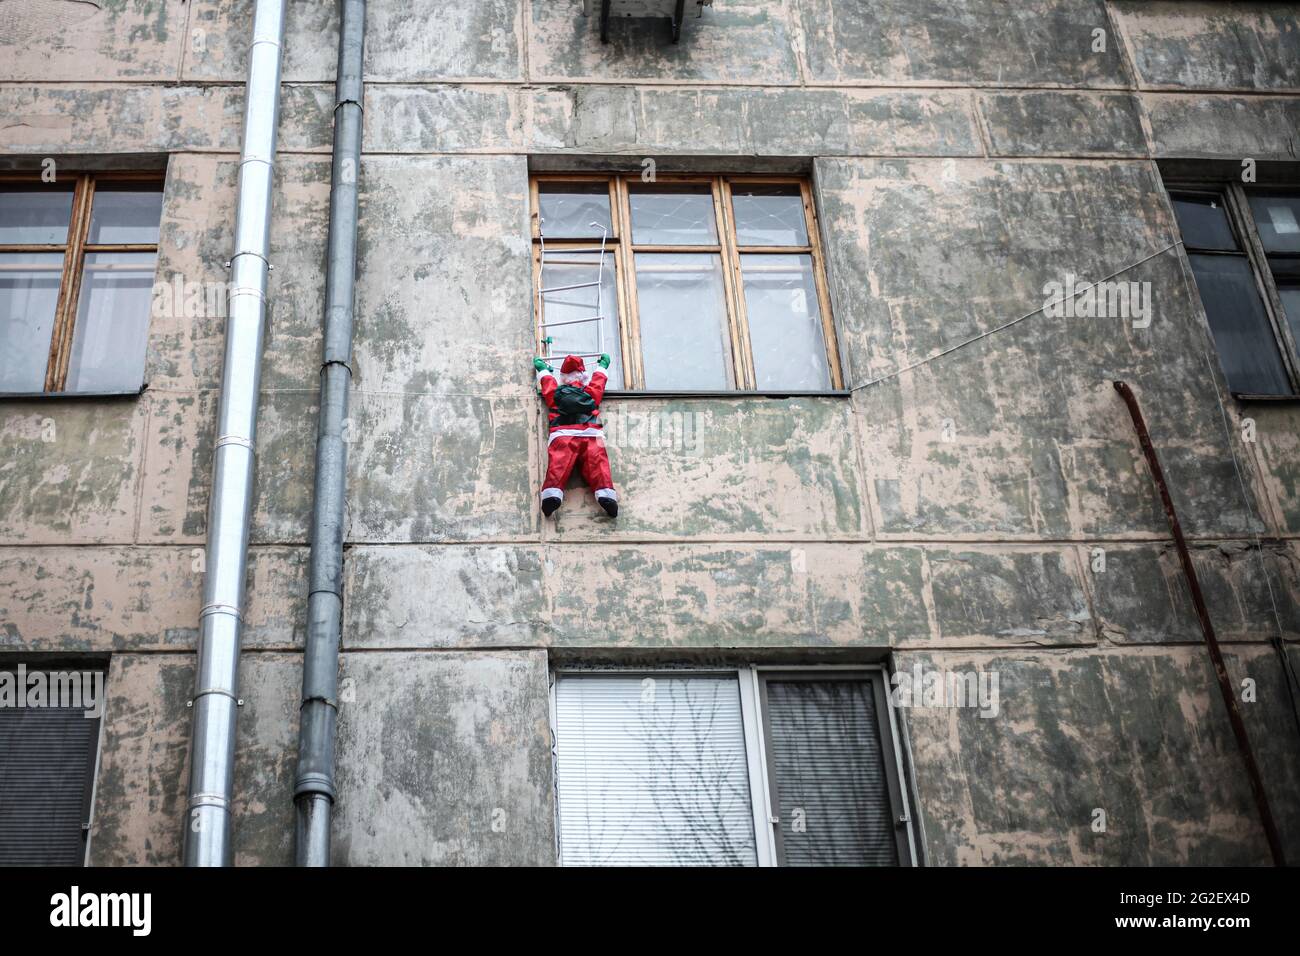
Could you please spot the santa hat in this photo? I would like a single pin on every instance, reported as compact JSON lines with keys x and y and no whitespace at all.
{"x":574,"y":371}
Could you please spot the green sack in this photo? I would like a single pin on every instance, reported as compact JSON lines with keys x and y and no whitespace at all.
{"x":574,"y":405}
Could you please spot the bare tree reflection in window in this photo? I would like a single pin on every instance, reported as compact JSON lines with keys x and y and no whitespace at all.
{"x":661,"y":780}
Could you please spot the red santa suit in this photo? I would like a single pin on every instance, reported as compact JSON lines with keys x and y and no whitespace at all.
{"x":576,"y":435}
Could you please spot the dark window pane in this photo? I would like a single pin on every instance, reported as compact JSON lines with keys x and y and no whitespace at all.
{"x":569,"y":209}
{"x":108,"y":344}
{"x":670,"y":215}
{"x":769,"y":215}
{"x":35,"y":217}
{"x":1286,"y":269}
{"x":1203,"y":222}
{"x":576,"y":306}
{"x":785,"y":323}
{"x":125,"y":216}
{"x":29,"y":294}
{"x":1243,"y":335}
{"x":829,"y":770}
{"x":1277,"y":217}
{"x":683,"y":310}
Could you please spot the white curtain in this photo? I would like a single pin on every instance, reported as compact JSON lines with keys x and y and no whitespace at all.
{"x":651,"y":771}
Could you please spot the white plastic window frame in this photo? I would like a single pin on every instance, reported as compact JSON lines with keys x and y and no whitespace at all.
{"x":760,"y":797}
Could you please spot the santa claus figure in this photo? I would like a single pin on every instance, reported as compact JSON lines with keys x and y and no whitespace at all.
{"x":577,"y":438}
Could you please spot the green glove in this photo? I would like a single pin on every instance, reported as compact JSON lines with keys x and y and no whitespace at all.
{"x":541,"y":366}
{"x":603,"y":361}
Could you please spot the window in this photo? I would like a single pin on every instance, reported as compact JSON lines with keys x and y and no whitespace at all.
{"x":49,"y":742}
{"x":77,"y":260}
{"x":1244,"y":249}
{"x":706,"y":283}
{"x":734,"y":768}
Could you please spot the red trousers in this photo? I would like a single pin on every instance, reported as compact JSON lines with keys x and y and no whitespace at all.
{"x":587,"y":453}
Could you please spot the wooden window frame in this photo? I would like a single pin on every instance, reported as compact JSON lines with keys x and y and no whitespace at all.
{"x":741,"y":376}
{"x":74,"y":249}
{"x":1241,"y":220}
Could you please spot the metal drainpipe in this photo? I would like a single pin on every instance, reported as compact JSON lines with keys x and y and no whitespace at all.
{"x":216,"y":687}
{"x":314,"y":788}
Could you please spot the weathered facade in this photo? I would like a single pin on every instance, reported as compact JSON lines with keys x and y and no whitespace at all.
{"x":962,"y":155}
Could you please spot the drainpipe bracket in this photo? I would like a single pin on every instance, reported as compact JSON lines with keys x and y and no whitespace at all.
{"x":249,"y":252}
{"x":216,"y":690}
{"x":328,"y":362}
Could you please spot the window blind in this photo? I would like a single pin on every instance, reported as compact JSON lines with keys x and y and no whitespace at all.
{"x":651,"y":771}
{"x":46,"y":764}
{"x":829,"y":773}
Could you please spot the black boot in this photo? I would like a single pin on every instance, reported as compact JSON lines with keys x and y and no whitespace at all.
{"x":551,"y":505}
{"x":610,"y":506}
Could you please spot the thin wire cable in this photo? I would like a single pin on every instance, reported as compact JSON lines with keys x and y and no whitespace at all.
{"x":1007,"y":325}
{"x":1223,"y":414}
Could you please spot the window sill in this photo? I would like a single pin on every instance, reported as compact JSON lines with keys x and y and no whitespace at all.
{"x":723,"y":393}
{"x":36,"y":396}
{"x":1265,"y":398}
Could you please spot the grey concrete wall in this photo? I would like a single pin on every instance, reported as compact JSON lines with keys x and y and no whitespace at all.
{"x":963,"y":154}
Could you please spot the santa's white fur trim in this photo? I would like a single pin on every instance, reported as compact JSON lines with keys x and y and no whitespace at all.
{"x":552,"y":493}
{"x":606,"y":493}
{"x":576,"y":433}
{"x":572,"y":378}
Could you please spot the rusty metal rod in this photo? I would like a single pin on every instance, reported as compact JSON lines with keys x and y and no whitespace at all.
{"x":1203,"y":613}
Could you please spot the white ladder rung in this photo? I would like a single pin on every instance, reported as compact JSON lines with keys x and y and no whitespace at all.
{"x":599,"y":285}
{"x":570,"y":303}
{"x":565,"y":288}
{"x":555,"y":325}
{"x":578,"y":354}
